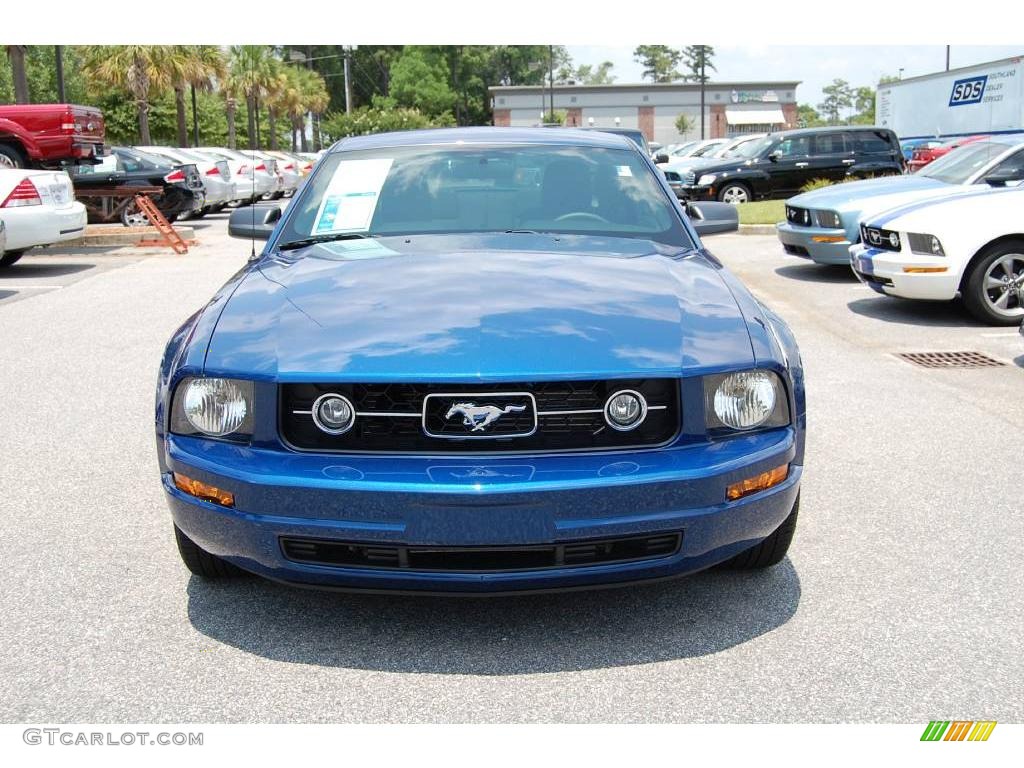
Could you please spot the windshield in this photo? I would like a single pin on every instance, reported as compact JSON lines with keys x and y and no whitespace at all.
{"x":960,"y":164}
{"x":707,"y":149}
{"x":475,"y":188}
{"x":751,"y":148}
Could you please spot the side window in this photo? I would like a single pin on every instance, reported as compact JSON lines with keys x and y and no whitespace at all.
{"x":829,"y":144}
{"x":871,"y":142}
{"x":1014,"y":164}
{"x":798,"y":146}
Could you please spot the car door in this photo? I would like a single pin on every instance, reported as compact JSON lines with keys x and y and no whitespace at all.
{"x":789,"y":166}
{"x":831,"y":155}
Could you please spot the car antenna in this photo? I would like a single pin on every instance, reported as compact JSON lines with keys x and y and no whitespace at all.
{"x":252,"y":232}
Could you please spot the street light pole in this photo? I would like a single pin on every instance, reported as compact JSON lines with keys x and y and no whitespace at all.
{"x":947,"y":58}
{"x":551,"y":81}
{"x":701,"y":49}
{"x":348,"y":86}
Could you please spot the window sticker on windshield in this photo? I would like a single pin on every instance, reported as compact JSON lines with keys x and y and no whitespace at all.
{"x":352,"y":196}
{"x":624,"y":170}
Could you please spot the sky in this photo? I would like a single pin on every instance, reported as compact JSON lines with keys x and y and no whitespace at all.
{"x":813,"y":65}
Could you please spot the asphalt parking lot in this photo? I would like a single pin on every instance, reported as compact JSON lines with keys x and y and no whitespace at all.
{"x":901,"y":599}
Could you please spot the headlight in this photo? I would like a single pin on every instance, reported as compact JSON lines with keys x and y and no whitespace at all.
{"x":212,"y":406}
{"x":745,"y":400}
{"x":926,"y":245}
{"x":829,"y":220}
{"x":706,"y":180}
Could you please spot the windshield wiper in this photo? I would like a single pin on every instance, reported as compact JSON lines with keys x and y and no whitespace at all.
{"x":321,"y":239}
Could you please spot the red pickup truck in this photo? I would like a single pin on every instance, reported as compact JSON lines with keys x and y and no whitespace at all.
{"x":49,"y":135}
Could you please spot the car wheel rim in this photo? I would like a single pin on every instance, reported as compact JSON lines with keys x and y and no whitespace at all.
{"x":1004,"y":285}
{"x":136,"y":220}
{"x":6,"y":162}
{"x":734,"y":195}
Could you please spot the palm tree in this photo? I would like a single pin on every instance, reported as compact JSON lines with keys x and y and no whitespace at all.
{"x":274,"y":89}
{"x":140,"y":69}
{"x":16,"y":53}
{"x":304,"y":91}
{"x":196,"y":66}
{"x":252,"y":70}
{"x":229,"y":90}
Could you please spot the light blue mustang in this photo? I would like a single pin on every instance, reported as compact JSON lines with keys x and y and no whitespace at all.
{"x":481,"y":360}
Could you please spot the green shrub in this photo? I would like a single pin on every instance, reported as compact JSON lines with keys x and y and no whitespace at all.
{"x":814,"y":184}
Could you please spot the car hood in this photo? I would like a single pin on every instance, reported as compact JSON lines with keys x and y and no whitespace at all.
{"x":851,"y":195}
{"x":449,"y":308}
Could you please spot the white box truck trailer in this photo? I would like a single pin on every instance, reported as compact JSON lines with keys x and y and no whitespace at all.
{"x":983,"y":98}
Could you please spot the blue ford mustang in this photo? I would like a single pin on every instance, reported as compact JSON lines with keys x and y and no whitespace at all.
{"x":481,"y":360}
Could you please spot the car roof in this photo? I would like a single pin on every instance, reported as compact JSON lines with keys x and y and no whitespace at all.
{"x":485,"y":135}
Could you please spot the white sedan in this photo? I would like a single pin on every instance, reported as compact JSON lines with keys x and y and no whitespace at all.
{"x":37,"y":208}
{"x":969,"y":244}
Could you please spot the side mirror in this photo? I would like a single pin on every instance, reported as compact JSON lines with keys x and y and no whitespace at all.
{"x":774,"y":156}
{"x":661,"y":157}
{"x":254,"y":222}
{"x":1000,"y":176}
{"x":713,"y":218}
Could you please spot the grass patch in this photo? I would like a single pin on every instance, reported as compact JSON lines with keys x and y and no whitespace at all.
{"x":763,"y":212}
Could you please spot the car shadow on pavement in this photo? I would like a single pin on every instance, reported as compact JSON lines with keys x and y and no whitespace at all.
{"x":818,"y":273}
{"x":939,"y":314}
{"x":29,"y":271}
{"x":570,"y":631}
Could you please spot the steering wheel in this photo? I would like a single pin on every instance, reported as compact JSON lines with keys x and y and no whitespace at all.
{"x":582,"y":215}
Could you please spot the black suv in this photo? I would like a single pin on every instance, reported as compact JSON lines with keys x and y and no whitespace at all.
{"x":780,"y":164}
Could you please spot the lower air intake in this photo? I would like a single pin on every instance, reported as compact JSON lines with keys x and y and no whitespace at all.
{"x":475,"y":559}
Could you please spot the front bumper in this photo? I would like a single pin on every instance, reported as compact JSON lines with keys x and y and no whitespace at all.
{"x":883,"y":272}
{"x":824,"y":246}
{"x":480,"y":501}
{"x":695,"y":192}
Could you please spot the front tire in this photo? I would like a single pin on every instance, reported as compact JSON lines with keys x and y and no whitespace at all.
{"x":735,"y":193}
{"x":202,"y":563}
{"x":10,"y":257}
{"x":994,"y":289}
{"x":772,"y":550}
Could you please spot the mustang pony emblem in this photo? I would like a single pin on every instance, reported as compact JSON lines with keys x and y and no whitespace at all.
{"x":479,"y":417}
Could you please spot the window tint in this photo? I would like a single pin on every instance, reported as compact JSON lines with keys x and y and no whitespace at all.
{"x":796,"y":146}
{"x":1014,"y":163}
{"x":871,"y":141}
{"x":829,"y":144}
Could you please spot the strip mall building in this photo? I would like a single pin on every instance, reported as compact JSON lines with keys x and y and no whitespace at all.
{"x":730,"y":109}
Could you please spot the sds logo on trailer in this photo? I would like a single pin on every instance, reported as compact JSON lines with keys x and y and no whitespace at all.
{"x":968,"y":91}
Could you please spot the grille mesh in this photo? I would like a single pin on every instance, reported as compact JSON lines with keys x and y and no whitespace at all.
{"x":556,"y":430}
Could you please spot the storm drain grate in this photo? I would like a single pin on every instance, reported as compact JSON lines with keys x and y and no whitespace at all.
{"x":950,"y":359}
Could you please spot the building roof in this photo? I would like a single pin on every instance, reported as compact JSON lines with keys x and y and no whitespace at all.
{"x":484,"y":135}
{"x":711,"y":85}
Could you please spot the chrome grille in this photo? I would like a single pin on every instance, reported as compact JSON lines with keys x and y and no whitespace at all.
{"x":541,"y":416}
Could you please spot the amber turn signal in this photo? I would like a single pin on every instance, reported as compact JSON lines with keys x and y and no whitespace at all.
{"x":757,"y":483}
{"x":203,"y":491}
{"x":924,"y":270}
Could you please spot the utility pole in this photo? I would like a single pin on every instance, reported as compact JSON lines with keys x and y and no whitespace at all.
{"x":195,"y":117}
{"x":59,"y":55}
{"x":702,"y":57}
{"x":947,"y":58}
